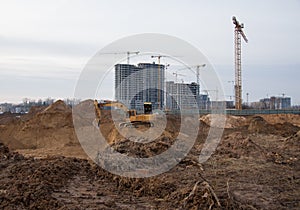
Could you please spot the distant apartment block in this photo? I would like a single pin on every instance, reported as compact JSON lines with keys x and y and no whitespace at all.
{"x":204,"y":101}
{"x":2,"y":109}
{"x":135,"y":85}
{"x":182,"y":95}
{"x":6,"y":107}
{"x":273,"y":103}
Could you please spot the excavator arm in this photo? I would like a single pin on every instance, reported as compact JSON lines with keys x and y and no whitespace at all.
{"x":97,"y":112}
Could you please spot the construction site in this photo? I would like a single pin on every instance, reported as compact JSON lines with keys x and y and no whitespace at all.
{"x":43,"y":166}
{"x":256,"y":164}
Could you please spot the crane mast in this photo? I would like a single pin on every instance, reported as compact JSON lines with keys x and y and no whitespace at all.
{"x":238,"y":32}
{"x":128,"y":55}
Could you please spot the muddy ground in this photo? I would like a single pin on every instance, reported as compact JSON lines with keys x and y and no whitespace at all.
{"x":255,"y":166}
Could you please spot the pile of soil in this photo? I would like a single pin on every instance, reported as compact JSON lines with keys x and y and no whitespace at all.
{"x":260,"y":125}
{"x":282,"y":118}
{"x":291,"y":145}
{"x":141,"y":150}
{"x":236,"y":145}
{"x":50,"y":127}
{"x":32,"y":112}
{"x":7,"y":118}
{"x":230,"y":121}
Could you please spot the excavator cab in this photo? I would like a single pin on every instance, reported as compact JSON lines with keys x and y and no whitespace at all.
{"x":147,"y":108}
{"x":131,"y":113}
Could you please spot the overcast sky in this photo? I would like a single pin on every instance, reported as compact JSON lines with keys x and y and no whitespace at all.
{"x":44,"y":45}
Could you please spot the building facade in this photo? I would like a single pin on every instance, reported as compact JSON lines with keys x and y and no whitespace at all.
{"x":153,"y":84}
{"x":280,"y":102}
{"x":182,"y":95}
{"x":204,"y":102}
{"x":273,"y":103}
{"x":135,"y":85}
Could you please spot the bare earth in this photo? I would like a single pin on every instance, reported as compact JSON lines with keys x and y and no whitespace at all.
{"x":42,"y":166}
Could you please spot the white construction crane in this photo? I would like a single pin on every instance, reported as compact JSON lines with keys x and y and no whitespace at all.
{"x":176,"y":75}
{"x":197,"y":72}
{"x":158,"y":57}
{"x":238,"y":65}
{"x":128,"y":53}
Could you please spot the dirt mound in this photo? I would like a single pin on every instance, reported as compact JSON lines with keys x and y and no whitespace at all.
{"x":34,"y":110}
{"x":260,"y":125}
{"x":58,"y":106}
{"x":282,"y":118}
{"x":141,"y":150}
{"x":236,"y":145}
{"x":231,"y":121}
{"x":7,"y":118}
{"x":239,"y":146}
{"x":291,"y":146}
{"x":51,"y":127}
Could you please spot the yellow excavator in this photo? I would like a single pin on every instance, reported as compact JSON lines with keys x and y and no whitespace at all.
{"x":132,"y":118}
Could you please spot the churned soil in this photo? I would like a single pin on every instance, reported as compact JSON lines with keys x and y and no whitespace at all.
{"x":256,"y":165}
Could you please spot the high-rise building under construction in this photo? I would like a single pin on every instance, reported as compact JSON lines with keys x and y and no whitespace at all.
{"x":182,"y":95}
{"x":135,"y":85}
